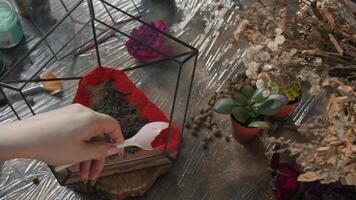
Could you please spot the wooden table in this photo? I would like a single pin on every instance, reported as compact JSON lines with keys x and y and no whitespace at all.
{"x":226,"y":170}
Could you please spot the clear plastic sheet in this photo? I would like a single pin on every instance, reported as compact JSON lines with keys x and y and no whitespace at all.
{"x":225,"y":171}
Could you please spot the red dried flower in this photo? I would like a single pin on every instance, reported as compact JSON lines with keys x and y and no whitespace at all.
{"x":149,"y":36}
{"x":285,"y":179}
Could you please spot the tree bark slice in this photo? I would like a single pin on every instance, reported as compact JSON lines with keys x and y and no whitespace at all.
{"x":122,"y":186}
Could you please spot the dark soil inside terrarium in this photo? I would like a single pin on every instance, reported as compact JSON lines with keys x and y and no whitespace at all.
{"x":106,"y":99}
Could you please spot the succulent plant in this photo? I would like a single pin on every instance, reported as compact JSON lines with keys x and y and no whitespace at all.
{"x":292,"y":92}
{"x":248,"y":105}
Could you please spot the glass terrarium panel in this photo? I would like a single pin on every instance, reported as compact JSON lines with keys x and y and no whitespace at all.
{"x":183,"y":90}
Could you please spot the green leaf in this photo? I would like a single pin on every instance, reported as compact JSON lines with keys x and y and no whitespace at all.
{"x":271,"y":105}
{"x":257,"y":96}
{"x":280,"y":98}
{"x":247,"y":91}
{"x":225,"y":105}
{"x":259,"y":124}
{"x":268,"y":107}
{"x":240,"y":114}
{"x":241,"y":99}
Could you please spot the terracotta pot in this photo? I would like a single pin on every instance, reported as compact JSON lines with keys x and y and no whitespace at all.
{"x":242,"y":133}
{"x":284,"y":111}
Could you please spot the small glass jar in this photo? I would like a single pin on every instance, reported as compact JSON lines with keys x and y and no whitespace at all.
{"x":10,"y":28}
{"x":34,"y":8}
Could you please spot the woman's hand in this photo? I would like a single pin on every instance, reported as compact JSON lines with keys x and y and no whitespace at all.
{"x":72,"y":134}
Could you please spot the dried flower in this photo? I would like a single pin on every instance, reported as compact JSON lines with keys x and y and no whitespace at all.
{"x":267,"y":67}
{"x":280,"y":39}
{"x":251,"y":74}
{"x":260,"y":83}
{"x":273,"y":46}
{"x":265,"y":77}
{"x":148,"y":36}
{"x":266,"y":93}
{"x":241,"y":29}
{"x":278,"y":31}
{"x":263,"y":56}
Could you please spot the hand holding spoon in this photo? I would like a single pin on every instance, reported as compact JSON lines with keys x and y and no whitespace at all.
{"x":143,"y":139}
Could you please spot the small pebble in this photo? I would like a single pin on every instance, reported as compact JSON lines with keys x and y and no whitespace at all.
{"x":198,"y":119}
{"x":207,"y":124}
{"x":215,"y":95}
{"x":30,"y":100}
{"x":220,"y":96}
{"x":194,"y":133}
{"x":204,"y":144}
{"x":217,"y":133}
{"x":207,"y":108}
{"x":209,"y":137}
{"x":212,"y":102}
{"x":213,"y":122}
{"x":195,"y":126}
{"x":37,"y":77}
{"x":227,"y":138}
{"x":35,"y":180}
{"x":208,"y":119}
{"x":220,"y":7}
{"x":209,"y":113}
{"x":188,"y":125}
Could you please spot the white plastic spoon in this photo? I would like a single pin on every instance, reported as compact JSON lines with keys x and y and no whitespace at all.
{"x":142,"y":139}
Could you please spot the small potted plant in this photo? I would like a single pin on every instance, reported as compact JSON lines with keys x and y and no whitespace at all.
{"x":293,"y":93}
{"x":247,"y":107}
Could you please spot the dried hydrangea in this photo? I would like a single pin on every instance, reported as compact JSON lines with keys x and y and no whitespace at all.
{"x":266,"y":93}
{"x":272,"y":45}
{"x":331,"y":155}
{"x":280,"y":39}
{"x":307,"y":43}
{"x":260,"y":83}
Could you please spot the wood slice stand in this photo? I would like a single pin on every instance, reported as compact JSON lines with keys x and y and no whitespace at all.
{"x":125,"y":185}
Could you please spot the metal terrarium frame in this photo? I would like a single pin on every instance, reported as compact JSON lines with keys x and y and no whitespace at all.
{"x":189,"y":56}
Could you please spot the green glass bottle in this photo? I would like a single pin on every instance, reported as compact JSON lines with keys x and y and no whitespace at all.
{"x":10,"y":28}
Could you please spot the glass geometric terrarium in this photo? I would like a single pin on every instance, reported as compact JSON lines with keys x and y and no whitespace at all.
{"x":113,"y":62}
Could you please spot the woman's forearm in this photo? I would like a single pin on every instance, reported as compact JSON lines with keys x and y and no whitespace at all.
{"x":61,"y":137}
{"x":11,"y":143}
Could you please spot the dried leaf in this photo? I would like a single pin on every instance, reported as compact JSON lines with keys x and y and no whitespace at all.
{"x":336,"y":44}
{"x":311,"y":51}
{"x":329,"y":17}
{"x":51,"y":86}
{"x":350,"y":179}
{"x":309,"y":177}
{"x":323,"y":148}
{"x":332,"y":160}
